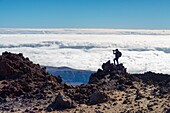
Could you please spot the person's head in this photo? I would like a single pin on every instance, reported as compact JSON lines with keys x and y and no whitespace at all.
{"x":116,"y":49}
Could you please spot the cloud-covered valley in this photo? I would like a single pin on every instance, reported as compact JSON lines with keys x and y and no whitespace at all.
{"x":85,"y":51}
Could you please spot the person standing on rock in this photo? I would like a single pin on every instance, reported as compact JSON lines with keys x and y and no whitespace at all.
{"x":117,"y":55}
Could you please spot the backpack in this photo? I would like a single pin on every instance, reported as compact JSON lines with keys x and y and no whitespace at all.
{"x":119,"y":54}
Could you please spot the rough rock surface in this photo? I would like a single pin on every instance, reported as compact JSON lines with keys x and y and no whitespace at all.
{"x":107,"y":69}
{"x":61,"y":102}
{"x":24,"y":84}
{"x":98,"y":97}
{"x":19,"y":76}
{"x":26,"y":87}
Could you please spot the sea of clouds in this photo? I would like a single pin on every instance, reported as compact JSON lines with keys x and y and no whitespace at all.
{"x":87,"y":49}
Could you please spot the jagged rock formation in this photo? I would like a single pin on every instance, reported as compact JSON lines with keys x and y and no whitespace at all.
{"x":162,"y":81}
{"x":112,"y":77}
{"x":154,"y":77}
{"x":116,"y":75}
{"x":107,"y":69}
{"x":61,"y":102}
{"x":123,"y":90}
{"x":26,"y":87}
{"x":19,"y":76}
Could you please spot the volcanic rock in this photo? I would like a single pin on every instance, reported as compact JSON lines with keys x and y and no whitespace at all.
{"x":107,"y":69}
{"x":61,"y":102}
{"x":67,"y":86}
{"x":26,"y":85}
{"x":98,"y":97}
{"x":20,"y":76}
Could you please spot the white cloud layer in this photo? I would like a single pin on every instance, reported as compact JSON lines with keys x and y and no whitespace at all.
{"x":141,"y":52}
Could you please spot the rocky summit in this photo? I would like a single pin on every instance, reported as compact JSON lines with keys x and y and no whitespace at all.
{"x":26,"y":87}
{"x":22,"y":81}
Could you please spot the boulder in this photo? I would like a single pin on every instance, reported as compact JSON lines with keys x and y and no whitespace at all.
{"x":98,"y":97}
{"x":61,"y":102}
{"x":107,"y":66}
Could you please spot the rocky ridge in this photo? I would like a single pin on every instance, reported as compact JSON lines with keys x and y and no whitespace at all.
{"x":22,"y":80}
{"x":26,"y":87}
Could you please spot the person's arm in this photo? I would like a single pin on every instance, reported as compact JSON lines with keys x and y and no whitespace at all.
{"x":114,"y":52}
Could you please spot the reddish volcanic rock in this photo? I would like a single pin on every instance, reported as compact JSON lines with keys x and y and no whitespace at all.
{"x":26,"y":85}
{"x":19,"y":76}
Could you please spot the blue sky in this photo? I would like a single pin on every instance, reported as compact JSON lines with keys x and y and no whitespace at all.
{"x":119,"y":14}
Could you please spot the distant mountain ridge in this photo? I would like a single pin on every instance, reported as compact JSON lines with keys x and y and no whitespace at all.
{"x":69,"y":75}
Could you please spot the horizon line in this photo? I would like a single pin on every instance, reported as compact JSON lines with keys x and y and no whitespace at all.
{"x":79,"y":28}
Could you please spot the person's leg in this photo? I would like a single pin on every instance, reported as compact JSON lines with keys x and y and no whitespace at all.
{"x":117,"y":61}
{"x":114,"y":61}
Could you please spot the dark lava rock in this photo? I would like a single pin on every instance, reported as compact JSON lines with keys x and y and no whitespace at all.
{"x":3,"y":100}
{"x":98,"y":97}
{"x":61,"y":102}
{"x":81,"y":94}
{"x":67,"y":86}
{"x":157,"y":77}
{"x":168,"y":110}
{"x":162,"y":80}
{"x":125,"y":102}
{"x":139,"y":95}
{"x":20,"y":76}
{"x":107,"y":69}
{"x":115,"y":77}
{"x":164,"y":90}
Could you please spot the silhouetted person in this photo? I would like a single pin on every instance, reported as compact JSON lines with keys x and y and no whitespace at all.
{"x":117,"y":55}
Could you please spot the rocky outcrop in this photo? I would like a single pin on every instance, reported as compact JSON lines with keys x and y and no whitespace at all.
{"x":162,"y":80}
{"x":112,"y":77}
{"x":20,"y":76}
{"x":107,"y":69}
{"x":81,"y":94}
{"x":118,"y":74}
{"x":154,"y":77}
{"x":26,"y":85}
{"x":98,"y":97}
{"x":61,"y":102}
